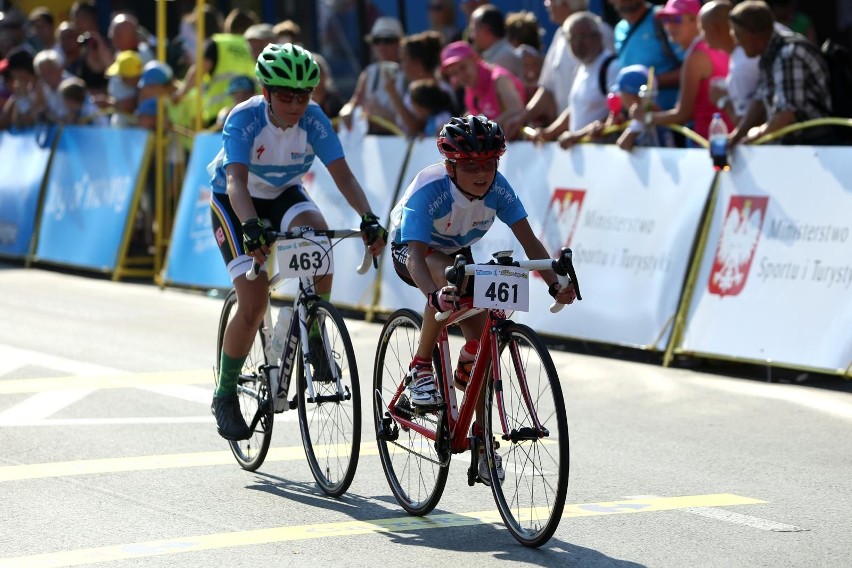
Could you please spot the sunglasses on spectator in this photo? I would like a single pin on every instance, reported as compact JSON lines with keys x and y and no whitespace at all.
{"x":474,"y":166}
{"x":289,"y":96}
{"x":435,"y":7}
{"x":671,"y":19}
{"x":385,"y":40}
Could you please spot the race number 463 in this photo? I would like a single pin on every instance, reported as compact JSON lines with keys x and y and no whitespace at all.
{"x":502,"y":287}
{"x":304,"y":258}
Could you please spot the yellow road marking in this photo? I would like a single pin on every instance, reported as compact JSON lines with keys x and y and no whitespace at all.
{"x":118,"y":381}
{"x":144,"y":463}
{"x":199,"y":543}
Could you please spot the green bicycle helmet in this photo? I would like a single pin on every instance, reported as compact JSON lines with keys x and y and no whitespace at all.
{"x":287,"y":65}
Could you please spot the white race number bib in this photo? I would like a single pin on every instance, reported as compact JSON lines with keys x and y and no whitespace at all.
{"x":300,"y":258}
{"x":502,"y":287}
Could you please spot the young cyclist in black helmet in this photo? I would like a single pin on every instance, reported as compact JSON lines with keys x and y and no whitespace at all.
{"x":269,"y":143}
{"x":447,"y":208}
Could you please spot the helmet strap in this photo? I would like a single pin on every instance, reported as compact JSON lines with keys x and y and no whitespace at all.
{"x":275,"y":118}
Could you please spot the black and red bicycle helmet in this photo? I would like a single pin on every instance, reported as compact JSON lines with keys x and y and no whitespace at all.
{"x":471,"y":138}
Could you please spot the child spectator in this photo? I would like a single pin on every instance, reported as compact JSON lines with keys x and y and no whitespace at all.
{"x":25,"y":105}
{"x":81,"y":109}
{"x":123,"y":92}
{"x":241,"y":88}
{"x":432,"y":105}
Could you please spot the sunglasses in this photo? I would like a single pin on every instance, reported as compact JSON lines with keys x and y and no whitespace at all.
{"x":289,"y":96}
{"x":474,"y":166}
{"x":671,"y":19}
{"x":385,"y":40}
{"x":435,"y":7}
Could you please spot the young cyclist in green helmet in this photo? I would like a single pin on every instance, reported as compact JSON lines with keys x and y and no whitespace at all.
{"x":268,"y":143}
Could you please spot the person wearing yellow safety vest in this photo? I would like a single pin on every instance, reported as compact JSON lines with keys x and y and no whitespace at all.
{"x":226,"y":56}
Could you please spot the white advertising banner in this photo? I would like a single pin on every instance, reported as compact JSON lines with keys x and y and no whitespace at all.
{"x":630,"y":219}
{"x":776,"y":277}
{"x":376,"y":162}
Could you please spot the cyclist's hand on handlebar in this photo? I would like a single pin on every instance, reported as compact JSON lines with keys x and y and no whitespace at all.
{"x":443,"y":299}
{"x":374,"y":235}
{"x":563,"y":295}
{"x":256,"y":239}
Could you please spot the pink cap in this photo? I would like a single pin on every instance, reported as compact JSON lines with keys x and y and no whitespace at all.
{"x":678,"y":7}
{"x":455,"y":52}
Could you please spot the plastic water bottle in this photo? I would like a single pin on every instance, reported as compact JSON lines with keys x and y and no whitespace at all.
{"x":279,"y":335}
{"x":719,"y":143}
{"x":274,"y":350}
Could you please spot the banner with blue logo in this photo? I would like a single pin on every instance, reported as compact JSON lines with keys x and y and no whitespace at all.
{"x":194,"y":258}
{"x":24,"y":155}
{"x":91,"y":188}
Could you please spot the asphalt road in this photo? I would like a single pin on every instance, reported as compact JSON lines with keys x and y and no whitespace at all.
{"x":110,"y":457}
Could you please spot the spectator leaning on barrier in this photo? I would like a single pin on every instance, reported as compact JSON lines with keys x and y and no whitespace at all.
{"x":489,"y":90}
{"x":370,"y":93}
{"x":700,"y":66}
{"x":419,"y":58}
{"x":26,"y":103}
{"x":793,"y":84}
{"x":77,"y":100}
{"x":157,"y":82}
{"x":640,"y":39}
{"x":737,"y":92}
{"x":48,"y":68}
{"x":587,"y":108}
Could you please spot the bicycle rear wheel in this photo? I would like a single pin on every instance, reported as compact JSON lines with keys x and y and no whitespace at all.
{"x":416,"y":471}
{"x":532,"y":498}
{"x":253,"y":393}
{"x":331,"y":424}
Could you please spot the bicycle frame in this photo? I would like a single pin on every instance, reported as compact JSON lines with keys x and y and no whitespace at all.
{"x":280,"y":377}
{"x":460,"y":417}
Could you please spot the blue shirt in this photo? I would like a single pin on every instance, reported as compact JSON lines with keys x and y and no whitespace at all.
{"x":435,"y":212}
{"x":276,"y":158}
{"x":645,"y":47}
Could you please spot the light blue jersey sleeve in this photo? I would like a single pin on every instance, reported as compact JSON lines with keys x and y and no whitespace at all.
{"x":503,"y":199}
{"x":241,"y":128}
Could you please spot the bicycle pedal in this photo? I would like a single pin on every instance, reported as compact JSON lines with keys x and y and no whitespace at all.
{"x":294,"y":403}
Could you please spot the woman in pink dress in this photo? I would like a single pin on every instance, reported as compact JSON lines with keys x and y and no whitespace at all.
{"x":700,"y":65}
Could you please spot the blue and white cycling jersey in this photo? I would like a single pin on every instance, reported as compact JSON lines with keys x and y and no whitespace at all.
{"x":435,"y":212}
{"x":275,"y":158}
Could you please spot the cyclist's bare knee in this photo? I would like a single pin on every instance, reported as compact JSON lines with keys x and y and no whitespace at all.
{"x":309,"y":219}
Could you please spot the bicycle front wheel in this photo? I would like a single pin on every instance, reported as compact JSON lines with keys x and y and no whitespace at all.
{"x":252,"y":391}
{"x":330,"y":423}
{"x":534,"y":448}
{"x":416,"y":471}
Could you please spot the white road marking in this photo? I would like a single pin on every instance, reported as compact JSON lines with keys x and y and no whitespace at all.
{"x":12,"y":358}
{"x":41,"y":406}
{"x":731,"y":517}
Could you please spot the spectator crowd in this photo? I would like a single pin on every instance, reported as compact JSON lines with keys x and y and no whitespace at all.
{"x":755,"y":62}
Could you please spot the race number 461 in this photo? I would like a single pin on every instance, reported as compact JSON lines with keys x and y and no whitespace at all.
{"x":304,"y":258}
{"x":502,"y":287}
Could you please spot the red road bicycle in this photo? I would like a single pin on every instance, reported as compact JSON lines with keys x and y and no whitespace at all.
{"x":525,"y":419}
